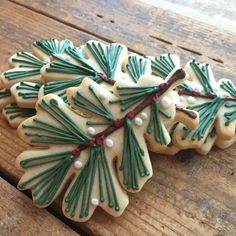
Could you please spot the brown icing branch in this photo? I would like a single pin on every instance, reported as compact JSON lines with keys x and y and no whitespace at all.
{"x":154,"y":97}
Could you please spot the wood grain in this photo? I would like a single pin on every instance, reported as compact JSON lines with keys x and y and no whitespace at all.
{"x":19,"y":217}
{"x":146,"y":29}
{"x":189,"y":194}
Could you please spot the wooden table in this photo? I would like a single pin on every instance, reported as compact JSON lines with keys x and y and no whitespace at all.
{"x":189,"y":194}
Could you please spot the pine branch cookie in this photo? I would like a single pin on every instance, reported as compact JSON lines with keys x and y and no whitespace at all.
{"x":21,"y":84}
{"x":215,"y":102}
{"x":90,"y":147}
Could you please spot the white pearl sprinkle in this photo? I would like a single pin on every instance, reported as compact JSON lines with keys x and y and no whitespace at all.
{"x":91,"y":131}
{"x":109,"y":143}
{"x":181,"y":98}
{"x":144,"y":115}
{"x":165,"y":102}
{"x":191,"y":100}
{"x":198,"y":89}
{"x":226,"y":94}
{"x":94,"y":201}
{"x":103,"y":95}
{"x":138,"y":121}
{"x":78,"y":164}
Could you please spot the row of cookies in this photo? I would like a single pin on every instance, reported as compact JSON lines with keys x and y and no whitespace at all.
{"x":99,"y":131}
{"x":56,"y":65}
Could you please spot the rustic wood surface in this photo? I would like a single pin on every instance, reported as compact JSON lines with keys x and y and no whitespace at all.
{"x":189,"y":194}
{"x":17,"y":216}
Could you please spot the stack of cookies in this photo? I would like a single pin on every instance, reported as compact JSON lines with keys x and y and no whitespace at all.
{"x":93,"y":112}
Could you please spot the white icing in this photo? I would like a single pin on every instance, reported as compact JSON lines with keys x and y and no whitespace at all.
{"x":109,"y":142}
{"x":78,"y":164}
{"x":68,"y":57}
{"x":94,"y":201}
{"x":138,"y":121}
{"x":144,"y":115}
{"x":103,"y":95}
{"x":166,"y":102}
{"x":198,"y":89}
{"x":191,"y":100}
{"x":226,"y":94}
{"x":91,"y":131}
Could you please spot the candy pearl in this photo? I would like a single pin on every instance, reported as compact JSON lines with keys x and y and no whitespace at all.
{"x":144,"y":115}
{"x":91,"y":130}
{"x":138,"y":121}
{"x":102,"y":96}
{"x":198,"y":89}
{"x":226,"y":94}
{"x":78,"y":164}
{"x":165,"y":102}
{"x":95,"y":201}
{"x":109,"y":143}
{"x":191,"y":100}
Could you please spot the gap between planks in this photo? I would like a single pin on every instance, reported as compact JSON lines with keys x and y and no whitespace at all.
{"x":67,"y":23}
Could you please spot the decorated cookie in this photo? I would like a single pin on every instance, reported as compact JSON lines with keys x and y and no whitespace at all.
{"x":26,"y":69}
{"x":15,"y":115}
{"x":215,"y":102}
{"x":163,"y":65}
{"x":91,"y":147}
{"x":97,"y":60}
{"x":5,"y":98}
{"x":26,"y":93}
{"x":44,"y":49}
{"x":21,"y":84}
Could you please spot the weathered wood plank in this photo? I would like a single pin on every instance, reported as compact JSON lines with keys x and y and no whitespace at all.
{"x":187,"y":195}
{"x":146,"y":29}
{"x":19,"y":217}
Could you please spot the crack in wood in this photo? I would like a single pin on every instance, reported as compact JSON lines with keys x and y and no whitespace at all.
{"x":160,"y":39}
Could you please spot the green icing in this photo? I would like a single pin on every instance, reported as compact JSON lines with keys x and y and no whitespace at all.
{"x":60,"y":87}
{"x":202,"y":73}
{"x":107,"y":57}
{"x":230,"y":115}
{"x":32,"y":90}
{"x":97,"y":165}
{"x":13,"y":111}
{"x":62,"y":130}
{"x":207,"y":113}
{"x":44,"y":159}
{"x":29,"y":65}
{"x":131,"y":95}
{"x":97,"y":106}
{"x":51,"y":46}
{"x":132,"y":163}
{"x":46,"y":183}
{"x":162,"y":66}
{"x":229,"y":87}
{"x":211,"y":134}
{"x":155,"y":125}
{"x":136,"y":67}
{"x":71,"y":68}
{"x":4,"y":93}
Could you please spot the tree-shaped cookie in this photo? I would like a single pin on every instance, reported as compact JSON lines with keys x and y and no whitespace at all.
{"x":102,"y":152}
{"x":215,"y":102}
